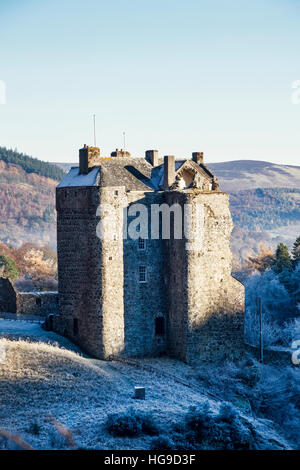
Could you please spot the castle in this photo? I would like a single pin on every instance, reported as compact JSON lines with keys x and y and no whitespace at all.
{"x":149,"y":294}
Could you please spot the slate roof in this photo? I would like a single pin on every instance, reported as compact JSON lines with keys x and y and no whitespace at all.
{"x":136,"y":174}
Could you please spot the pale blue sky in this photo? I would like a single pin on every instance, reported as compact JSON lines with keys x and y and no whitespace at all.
{"x":179,"y":76}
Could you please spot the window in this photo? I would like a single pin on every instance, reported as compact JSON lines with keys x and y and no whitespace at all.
{"x":38,"y":301}
{"x":142,"y":274}
{"x":75,"y":326}
{"x":159,"y":326}
{"x":141,"y":244}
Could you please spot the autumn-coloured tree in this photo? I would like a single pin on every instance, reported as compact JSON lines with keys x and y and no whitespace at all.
{"x":263,"y":261}
{"x":38,"y":266}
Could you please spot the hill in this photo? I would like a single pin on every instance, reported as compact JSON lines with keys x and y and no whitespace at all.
{"x":264,"y":201}
{"x":80,"y":392}
{"x":240,"y":175}
{"x":31,"y":165}
{"x":27,"y":199}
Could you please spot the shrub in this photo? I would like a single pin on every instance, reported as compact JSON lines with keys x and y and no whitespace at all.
{"x":131,"y":423}
{"x":223,"y":430}
{"x":162,"y":443}
{"x":199,"y":420}
{"x":34,"y":428}
{"x":57,"y":441}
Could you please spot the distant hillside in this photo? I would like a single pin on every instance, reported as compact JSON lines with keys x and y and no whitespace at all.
{"x":265,"y":208}
{"x":27,"y":206}
{"x":264,"y":201}
{"x":65,"y":166}
{"x":31,"y":165}
{"x":239,"y":175}
{"x":250,"y":174}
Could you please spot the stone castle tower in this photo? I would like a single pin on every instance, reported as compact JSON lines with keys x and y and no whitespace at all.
{"x":151,"y":294}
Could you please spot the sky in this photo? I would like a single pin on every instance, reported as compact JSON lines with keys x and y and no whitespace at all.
{"x":177,"y":76}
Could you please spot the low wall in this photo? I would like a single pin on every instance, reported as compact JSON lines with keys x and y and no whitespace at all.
{"x":37,"y":303}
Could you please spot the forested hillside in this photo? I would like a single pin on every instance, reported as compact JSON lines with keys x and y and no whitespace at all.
{"x":265,"y":208}
{"x":268,"y":214}
{"x":27,"y":205}
{"x":31,"y":165}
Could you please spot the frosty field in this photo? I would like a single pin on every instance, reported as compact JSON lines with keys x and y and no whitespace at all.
{"x":43,"y":375}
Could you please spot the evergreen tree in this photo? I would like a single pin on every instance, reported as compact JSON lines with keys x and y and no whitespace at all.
{"x":283,"y":259}
{"x":296,"y":252}
{"x":31,"y":165}
{"x":8,"y":267}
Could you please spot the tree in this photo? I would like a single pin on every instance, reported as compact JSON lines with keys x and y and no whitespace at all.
{"x":8,"y":267}
{"x":283,"y":259}
{"x":38,"y":266}
{"x":263,"y":260}
{"x":296,"y":252}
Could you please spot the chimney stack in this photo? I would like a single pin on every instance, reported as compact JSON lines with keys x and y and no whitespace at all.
{"x":120,"y":153}
{"x":169,"y":171}
{"x":197,"y":157}
{"x":88,"y":157}
{"x":152,"y":157}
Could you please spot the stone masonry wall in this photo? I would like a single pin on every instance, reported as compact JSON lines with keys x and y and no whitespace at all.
{"x":112,"y":276}
{"x":144,"y":302}
{"x":106,"y":310}
{"x":8,"y":296}
{"x":79,"y":268}
{"x":37,"y":303}
{"x":206,"y":301}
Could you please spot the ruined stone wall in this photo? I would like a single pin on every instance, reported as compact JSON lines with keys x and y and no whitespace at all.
{"x":206,"y":301}
{"x":37,"y":303}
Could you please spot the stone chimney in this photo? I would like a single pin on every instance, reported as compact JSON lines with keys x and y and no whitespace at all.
{"x":169,"y":171}
{"x":197,"y":157}
{"x":120,"y":153}
{"x":152,"y":157}
{"x":88,"y":157}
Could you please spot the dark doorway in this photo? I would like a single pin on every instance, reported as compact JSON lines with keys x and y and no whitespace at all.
{"x":159,"y":326}
{"x":75,"y":326}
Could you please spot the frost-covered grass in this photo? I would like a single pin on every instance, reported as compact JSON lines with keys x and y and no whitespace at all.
{"x":40,"y":381}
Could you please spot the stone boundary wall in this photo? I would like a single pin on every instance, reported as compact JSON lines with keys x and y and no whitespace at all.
{"x":37,"y":303}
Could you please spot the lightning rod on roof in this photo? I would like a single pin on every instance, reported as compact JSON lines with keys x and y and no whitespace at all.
{"x":94,"y":121}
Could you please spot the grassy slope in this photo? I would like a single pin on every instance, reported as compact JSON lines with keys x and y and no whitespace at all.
{"x":39,"y":378}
